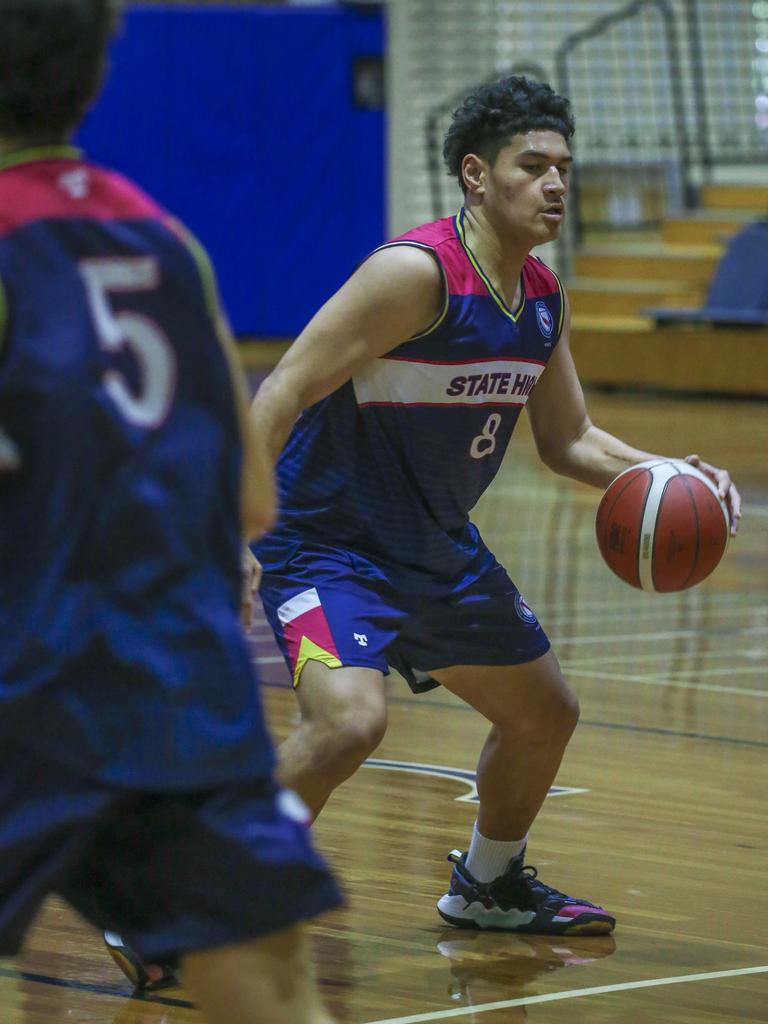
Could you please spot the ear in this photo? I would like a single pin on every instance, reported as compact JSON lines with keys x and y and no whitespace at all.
{"x":473,"y":171}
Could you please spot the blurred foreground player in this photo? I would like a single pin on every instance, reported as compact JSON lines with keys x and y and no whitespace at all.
{"x":395,"y":406}
{"x":135,"y":768}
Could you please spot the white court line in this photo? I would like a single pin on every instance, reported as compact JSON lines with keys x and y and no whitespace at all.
{"x":560,"y":619}
{"x":642,"y":680}
{"x":551,"y":997}
{"x":666,"y":681}
{"x":665,"y":656}
{"x":582,"y":496}
{"x":676,"y":634}
{"x":732,"y":670}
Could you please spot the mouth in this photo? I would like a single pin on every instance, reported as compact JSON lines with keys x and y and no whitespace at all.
{"x":554,"y":212}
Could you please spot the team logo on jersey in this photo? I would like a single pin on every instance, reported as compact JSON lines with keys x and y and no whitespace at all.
{"x":76,"y":183}
{"x":544,"y":318}
{"x":525,"y":613}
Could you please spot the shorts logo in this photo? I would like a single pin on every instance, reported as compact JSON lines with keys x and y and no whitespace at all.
{"x":524,"y":611}
{"x":544,"y":318}
{"x":361,"y":638}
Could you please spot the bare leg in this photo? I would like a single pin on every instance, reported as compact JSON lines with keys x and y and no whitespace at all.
{"x":266,"y":981}
{"x":343,"y":720}
{"x":533,"y":714}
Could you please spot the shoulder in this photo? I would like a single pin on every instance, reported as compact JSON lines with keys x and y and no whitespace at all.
{"x":441,"y":239}
{"x":404,"y":260}
{"x":433,"y":234}
{"x":67,"y":189}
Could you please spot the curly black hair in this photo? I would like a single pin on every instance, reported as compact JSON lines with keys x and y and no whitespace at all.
{"x":52,"y":58}
{"x":495,"y":111}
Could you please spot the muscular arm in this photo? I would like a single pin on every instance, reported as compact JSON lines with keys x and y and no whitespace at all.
{"x":394,"y":295}
{"x":570,"y":444}
{"x":566,"y":439}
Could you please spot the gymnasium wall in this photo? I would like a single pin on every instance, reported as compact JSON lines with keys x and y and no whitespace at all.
{"x":244,"y":122}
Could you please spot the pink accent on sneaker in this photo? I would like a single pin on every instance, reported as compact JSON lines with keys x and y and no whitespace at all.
{"x":576,"y":909}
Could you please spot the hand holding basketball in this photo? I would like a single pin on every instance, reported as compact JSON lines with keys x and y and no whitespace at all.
{"x":721,"y":478}
{"x":663,"y":524}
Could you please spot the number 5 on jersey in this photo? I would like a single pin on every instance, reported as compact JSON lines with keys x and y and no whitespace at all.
{"x":148,"y":405}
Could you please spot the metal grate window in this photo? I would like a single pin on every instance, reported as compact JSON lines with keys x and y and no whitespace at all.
{"x":654,"y":114}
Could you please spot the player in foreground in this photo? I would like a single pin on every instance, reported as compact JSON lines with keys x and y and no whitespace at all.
{"x":135,"y":768}
{"x":393,"y":410}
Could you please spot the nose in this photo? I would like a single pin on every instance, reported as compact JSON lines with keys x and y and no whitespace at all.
{"x":554,"y":184}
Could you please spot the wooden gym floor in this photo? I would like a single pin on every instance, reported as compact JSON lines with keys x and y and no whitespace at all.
{"x":665,"y":824}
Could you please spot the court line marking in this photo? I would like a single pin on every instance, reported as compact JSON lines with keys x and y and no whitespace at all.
{"x":698,"y":600}
{"x":467,"y":777}
{"x":649,"y":730}
{"x":673,"y":634}
{"x":732,"y":670}
{"x":630,"y":614}
{"x":587,"y":496}
{"x":690,"y":654}
{"x":111,"y":991}
{"x":551,"y":997}
{"x":668,"y":682}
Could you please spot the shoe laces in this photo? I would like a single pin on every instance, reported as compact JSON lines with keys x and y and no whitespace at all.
{"x":526,"y":879}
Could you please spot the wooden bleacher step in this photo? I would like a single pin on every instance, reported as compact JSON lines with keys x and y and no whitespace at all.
{"x":650,"y":261}
{"x":736,"y":197}
{"x":627,"y":297}
{"x":705,"y":226}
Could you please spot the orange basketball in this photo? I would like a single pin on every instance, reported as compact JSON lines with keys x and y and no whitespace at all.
{"x":661,"y":525}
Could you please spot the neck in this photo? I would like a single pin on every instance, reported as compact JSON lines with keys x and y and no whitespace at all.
{"x":501,"y":258}
{"x":492,"y":248}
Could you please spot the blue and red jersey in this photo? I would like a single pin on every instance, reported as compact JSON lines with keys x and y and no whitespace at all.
{"x":122,"y":654}
{"x":390,"y":465}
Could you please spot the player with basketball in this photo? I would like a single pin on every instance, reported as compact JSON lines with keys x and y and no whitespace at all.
{"x":135,"y":767}
{"x":393,"y":410}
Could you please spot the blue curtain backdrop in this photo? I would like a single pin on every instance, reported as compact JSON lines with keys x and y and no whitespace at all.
{"x":242,"y":122}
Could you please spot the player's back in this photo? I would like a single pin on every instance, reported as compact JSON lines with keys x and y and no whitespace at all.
{"x":119,"y":533}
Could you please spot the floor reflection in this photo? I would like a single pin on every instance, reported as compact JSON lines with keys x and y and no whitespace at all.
{"x":489,"y":966}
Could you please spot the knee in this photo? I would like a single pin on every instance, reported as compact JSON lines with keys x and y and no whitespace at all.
{"x":546,"y":718}
{"x":358,"y":729}
{"x":359,"y":733}
{"x":560,"y":714}
{"x":568,"y":710}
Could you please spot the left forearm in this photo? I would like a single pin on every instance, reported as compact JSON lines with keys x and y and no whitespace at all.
{"x":596,"y":457}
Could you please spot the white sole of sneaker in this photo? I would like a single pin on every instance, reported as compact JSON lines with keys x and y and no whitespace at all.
{"x":455,"y":910}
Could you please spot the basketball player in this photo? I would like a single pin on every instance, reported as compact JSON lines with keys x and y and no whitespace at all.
{"x":393,"y":410}
{"x":135,"y":768}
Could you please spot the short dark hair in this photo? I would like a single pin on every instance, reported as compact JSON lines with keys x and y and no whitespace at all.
{"x":52,"y":59}
{"x":495,"y":111}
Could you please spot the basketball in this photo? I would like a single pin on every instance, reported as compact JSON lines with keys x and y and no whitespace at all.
{"x":662,"y":526}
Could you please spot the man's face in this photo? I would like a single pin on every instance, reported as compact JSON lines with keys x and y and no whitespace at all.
{"x":524,"y":192}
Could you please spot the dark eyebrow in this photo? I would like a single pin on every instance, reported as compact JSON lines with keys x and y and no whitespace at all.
{"x":545,"y":156}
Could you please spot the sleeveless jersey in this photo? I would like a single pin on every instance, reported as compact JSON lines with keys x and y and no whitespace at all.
{"x":122,"y":655}
{"x":390,"y":465}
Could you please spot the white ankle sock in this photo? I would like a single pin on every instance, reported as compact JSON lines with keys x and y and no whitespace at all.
{"x":488,"y":858}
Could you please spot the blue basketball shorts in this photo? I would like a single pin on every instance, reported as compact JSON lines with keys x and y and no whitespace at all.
{"x":322,"y":609}
{"x":171,"y":872}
